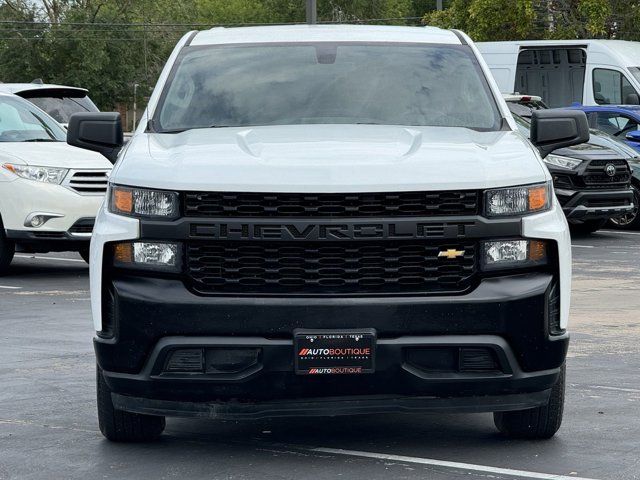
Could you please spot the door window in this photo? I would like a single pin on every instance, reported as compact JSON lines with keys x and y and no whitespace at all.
{"x":610,"y":87}
{"x":613,"y":123}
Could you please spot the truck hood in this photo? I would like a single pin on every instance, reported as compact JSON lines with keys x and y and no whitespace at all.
{"x":52,"y":154}
{"x":329,"y":158}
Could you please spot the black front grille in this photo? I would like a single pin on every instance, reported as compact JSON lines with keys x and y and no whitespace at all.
{"x":319,"y":268}
{"x":595,"y":175}
{"x":415,"y":204}
{"x":607,"y":202}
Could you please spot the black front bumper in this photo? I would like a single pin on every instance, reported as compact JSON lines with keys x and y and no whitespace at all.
{"x":595,"y":204}
{"x":44,"y":241}
{"x":153,"y":317}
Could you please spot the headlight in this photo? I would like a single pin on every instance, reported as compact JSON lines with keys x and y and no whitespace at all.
{"x":38,"y":174}
{"x":501,"y":254}
{"x":562,"y":162}
{"x":148,"y":255}
{"x":139,"y":202}
{"x":518,"y":200}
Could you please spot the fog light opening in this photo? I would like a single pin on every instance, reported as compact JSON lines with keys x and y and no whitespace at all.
{"x":231,"y":360}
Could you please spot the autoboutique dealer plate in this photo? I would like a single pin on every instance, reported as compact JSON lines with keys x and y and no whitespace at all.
{"x":335,"y":352}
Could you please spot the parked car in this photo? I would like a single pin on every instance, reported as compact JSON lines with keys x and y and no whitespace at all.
{"x":592,"y":181}
{"x":591,"y":72}
{"x":322,"y":239}
{"x":620,"y":121}
{"x":59,"y":101}
{"x":50,"y":192}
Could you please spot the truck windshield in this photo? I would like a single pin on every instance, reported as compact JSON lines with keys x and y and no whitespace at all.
{"x":22,"y":122}
{"x":326,"y":83}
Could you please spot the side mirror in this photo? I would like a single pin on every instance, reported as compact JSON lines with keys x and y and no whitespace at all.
{"x":553,"y":129}
{"x":633,"y":136}
{"x":98,"y":132}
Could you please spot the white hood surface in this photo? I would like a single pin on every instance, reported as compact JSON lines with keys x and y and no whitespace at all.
{"x":329,"y":158}
{"x":51,"y":154}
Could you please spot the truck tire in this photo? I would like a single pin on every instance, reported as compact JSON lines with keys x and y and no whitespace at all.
{"x":7,"y":250}
{"x":120,"y":426}
{"x":587,"y":227}
{"x":536,"y":423}
{"x":630,"y":221}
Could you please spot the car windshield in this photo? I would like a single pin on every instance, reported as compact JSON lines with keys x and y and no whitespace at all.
{"x":22,"y":122}
{"x":61,"y":108}
{"x":327,"y":83}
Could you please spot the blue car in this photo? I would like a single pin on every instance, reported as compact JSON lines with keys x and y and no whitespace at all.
{"x":621,"y":121}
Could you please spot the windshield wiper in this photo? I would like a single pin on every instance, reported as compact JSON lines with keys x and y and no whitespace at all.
{"x":180,"y":130}
{"x":41,"y":140}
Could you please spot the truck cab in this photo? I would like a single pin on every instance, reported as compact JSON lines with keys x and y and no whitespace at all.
{"x":307,"y":223}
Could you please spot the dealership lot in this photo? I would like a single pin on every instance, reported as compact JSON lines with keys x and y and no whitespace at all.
{"x":48,"y":419}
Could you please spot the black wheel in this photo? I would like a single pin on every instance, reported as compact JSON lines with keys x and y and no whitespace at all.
{"x":7,"y":250}
{"x":84,"y":253}
{"x":536,"y":423}
{"x":587,"y":227}
{"x":630,"y":221}
{"x":120,"y":426}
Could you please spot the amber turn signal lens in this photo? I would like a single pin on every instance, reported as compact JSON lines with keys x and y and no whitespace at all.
{"x":122,"y":200}
{"x":537,"y":250}
{"x":538,"y":198}
{"x":123,"y":253}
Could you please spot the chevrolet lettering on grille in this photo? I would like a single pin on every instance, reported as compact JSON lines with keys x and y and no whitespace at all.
{"x":305,"y":231}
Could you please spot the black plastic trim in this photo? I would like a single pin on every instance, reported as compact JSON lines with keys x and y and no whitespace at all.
{"x":279,"y":229}
{"x":322,"y":407}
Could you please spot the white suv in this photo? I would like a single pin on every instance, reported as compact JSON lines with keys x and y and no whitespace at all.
{"x":50,"y":191}
{"x":329,"y":220}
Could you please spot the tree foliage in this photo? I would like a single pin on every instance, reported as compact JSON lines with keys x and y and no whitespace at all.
{"x":108,"y":45}
{"x":536,"y":19}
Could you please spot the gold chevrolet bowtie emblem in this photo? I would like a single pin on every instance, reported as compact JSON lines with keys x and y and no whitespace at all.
{"x":451,"y":254}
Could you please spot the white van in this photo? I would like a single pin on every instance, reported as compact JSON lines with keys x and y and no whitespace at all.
{"x":562,"y":72}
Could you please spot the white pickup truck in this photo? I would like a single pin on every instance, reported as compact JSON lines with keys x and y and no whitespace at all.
{"x":329,"y":220}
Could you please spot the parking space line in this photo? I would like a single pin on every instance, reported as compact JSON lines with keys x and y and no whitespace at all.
{"x":10,"y":287}
{"x":446,"y":464}
{"x":57,"y":259}
{"x":582,"y":246}
{"x":615,"y":389}
{"x":620,"y":232}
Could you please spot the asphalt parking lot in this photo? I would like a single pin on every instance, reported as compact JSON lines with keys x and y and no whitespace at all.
{"x":48,"y":426}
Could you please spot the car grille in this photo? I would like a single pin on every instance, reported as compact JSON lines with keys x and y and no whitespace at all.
{"x":319,"y":268}
{"x":595,"y":175}
{"x":87,"y":182}
{"x":244,"y":205}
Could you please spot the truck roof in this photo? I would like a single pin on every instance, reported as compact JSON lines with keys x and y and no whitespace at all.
{"x":315,"y":33}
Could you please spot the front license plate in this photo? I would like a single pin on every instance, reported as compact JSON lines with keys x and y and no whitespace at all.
{"x":337,"y":352}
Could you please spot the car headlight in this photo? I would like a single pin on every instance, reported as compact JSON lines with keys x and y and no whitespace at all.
{"x":158,"y":256}
{"x":562,"y":162}
{"x":500,"y":254}
{"x":38,"y":174}
{"x":141,"y":202}
{"x":502,"y":202}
